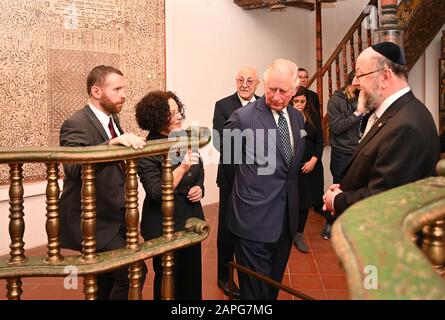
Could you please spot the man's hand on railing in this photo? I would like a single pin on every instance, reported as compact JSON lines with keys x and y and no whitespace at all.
{"x":128,"y":140}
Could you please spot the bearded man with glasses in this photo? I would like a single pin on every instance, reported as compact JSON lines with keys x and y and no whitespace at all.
{"x":400,"y":144}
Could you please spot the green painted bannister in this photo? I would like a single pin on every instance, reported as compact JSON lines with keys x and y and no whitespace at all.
{"x":375,"y":241}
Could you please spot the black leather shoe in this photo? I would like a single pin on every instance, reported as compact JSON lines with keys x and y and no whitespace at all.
{"x":326,"y":232}
{"x":224,"y":286}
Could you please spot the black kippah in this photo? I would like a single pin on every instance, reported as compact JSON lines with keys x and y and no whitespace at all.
{"x":390,"y":51}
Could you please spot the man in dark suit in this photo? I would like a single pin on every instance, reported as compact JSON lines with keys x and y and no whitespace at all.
{"x":246,"y":84}
{"x":303,"y":77}
{"x":93,"y":125}
{"x":264,"y":202}
{"x":400,"y":143}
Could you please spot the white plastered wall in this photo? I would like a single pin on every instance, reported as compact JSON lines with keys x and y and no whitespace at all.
{"x":207,"y":42}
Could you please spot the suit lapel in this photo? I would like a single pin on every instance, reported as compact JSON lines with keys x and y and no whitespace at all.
{"x":96,"y":123}
{"x":296,"y":134}
{"x":118,"y":123}
{"x":236,"y":102}
{"x":381,"y":122}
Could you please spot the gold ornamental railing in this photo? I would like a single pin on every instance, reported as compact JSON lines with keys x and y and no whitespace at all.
{"x":90,"y":262}
{"x":392,"y":245}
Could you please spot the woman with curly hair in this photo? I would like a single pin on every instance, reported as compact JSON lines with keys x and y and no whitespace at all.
{"x":161,"y":113}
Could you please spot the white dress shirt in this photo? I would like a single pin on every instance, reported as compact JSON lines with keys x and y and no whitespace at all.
{"x":104,"y":120}
{"x":246,"y":102}
{"x":286,"y":116}
{"x":389,"y":101}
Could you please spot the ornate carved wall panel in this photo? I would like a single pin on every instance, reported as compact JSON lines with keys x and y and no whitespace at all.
{"x":421,"y":26}
{"x":47,"y":48}
{"x":442,"y":86}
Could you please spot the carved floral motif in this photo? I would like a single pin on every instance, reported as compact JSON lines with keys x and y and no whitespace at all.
{"x":47,"y":47}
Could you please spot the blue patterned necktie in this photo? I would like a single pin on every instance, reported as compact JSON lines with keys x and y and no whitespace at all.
{"x":283,"y":130}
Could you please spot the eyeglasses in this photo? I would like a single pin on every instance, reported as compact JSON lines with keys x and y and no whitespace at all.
{"x":175,"y":113}
{"x":368,"y":73}
{"x":249,"y":82}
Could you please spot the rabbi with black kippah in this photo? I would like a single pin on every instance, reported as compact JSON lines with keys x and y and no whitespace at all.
{"x":400,"y":143}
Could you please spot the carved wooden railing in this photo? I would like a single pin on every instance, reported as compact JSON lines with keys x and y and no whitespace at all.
{"x":421,"y":21}
{"x":342,"y":60}
{"x":90,"y":262}
{"x":378,"y":246}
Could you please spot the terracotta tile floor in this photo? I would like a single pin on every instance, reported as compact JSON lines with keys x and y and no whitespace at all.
{"x":316,"y":273}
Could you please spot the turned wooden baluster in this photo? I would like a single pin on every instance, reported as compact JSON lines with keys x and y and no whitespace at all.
{"x":330,"y":81}
{"x":88,"y":225}
{"x":132,"y":220}
{"x":434,"y":245}
{"x":345,"y":64}
{"x":369,"y":36}
{"x":16,"y":228}
{"x":168,"y":209}
{"x":352,"y":51}
{"x":359,"y":38}
{"x":319,"y":53}
{"x":337,"y":72}
{"x":52,"y":214}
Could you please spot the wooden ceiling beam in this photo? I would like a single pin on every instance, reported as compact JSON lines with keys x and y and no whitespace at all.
{"x":258,"y":4}
{"x":302,"y":4}
{"x":251,"y":4}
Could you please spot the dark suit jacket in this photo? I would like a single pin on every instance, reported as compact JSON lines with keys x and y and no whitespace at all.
{"x":223,"y":110}
{"x":401,"y":147}
{"x":80,"y":130}
{"x":150,"y":173}
{"x":260,"y":202}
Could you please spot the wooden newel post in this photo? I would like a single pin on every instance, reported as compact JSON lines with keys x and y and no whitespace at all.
{"x":390,"y":29}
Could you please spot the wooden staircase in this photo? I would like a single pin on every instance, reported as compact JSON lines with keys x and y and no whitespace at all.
{"x":421,"y":21}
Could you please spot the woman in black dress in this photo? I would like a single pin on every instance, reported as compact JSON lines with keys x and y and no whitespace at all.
{"x":311,"y":181}
{"x":161,"y":113}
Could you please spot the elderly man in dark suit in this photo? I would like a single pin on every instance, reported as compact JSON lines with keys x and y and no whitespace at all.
{"x":400,"y":143}
{"x":93,"y":125}
{"x":246,"y":84}
{"x":264,"y":199}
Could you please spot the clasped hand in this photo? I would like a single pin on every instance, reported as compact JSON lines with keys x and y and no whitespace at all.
{"x":329,"y":196}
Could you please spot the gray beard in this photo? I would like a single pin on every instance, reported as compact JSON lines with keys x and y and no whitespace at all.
{"x":370,"y":102}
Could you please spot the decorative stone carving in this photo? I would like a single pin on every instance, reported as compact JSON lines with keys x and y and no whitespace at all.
{"x":47,"y":48}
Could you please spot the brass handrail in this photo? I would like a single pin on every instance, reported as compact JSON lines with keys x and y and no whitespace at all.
{"x":89,"y":263}
{"x":197,"y":231}
{"x":103,"y":153}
